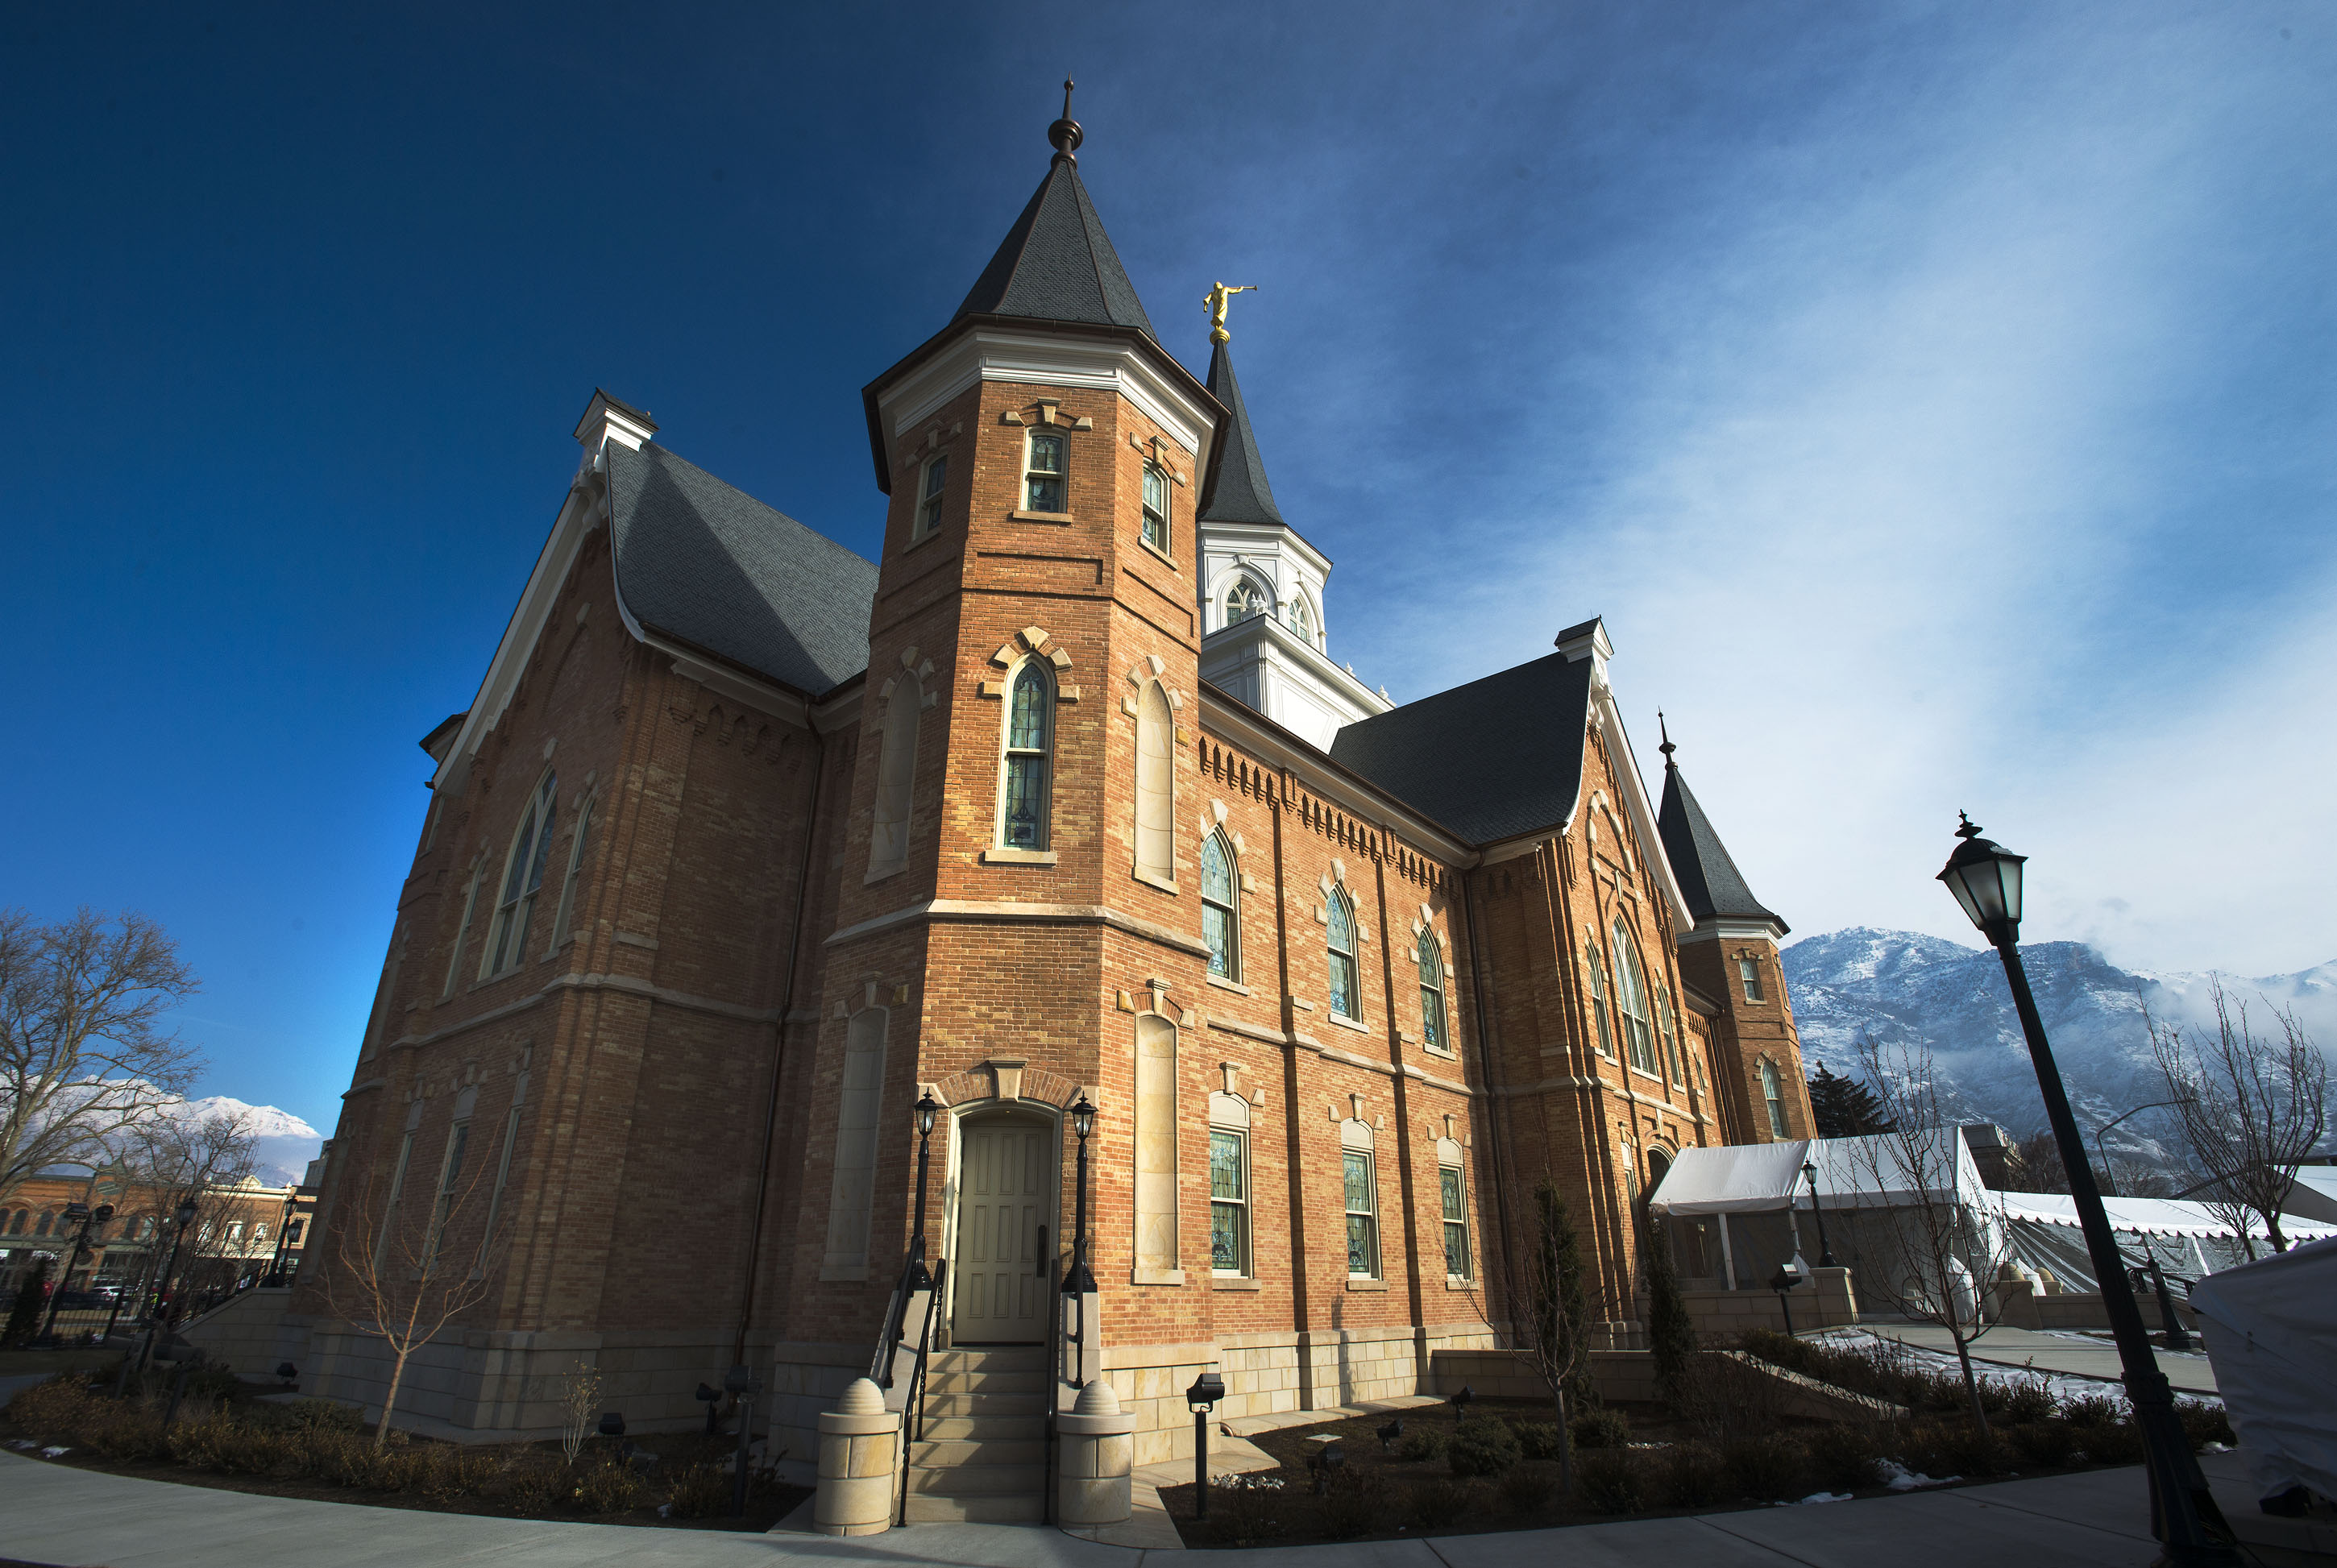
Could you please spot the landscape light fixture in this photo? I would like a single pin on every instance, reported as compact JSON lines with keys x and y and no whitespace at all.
{"x":287,"y":1372}
{"x":740,"y":1383}
{"x":1985,"y":878}
{"x":1788,"y":1278}
{"x":1207,"y":1391}
{"x":712,"y":1397}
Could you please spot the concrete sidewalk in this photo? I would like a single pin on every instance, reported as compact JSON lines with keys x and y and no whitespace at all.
{"x":54,"y":1514}
{"x":2068,"y":1352}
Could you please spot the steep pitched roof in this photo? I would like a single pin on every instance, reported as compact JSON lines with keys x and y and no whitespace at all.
{"x":1242,"y":494}
{"x":1057,"y":263}
{"x":1490,"y":760}
{"x":717,"y":568}
{"x":1708,"y":878}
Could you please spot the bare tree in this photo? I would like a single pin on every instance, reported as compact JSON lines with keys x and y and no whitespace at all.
{"x":403,"y":1277}
{"x":1553,"y":1330}
{"x":84,"y":1057}
{"x":2248,"y":1107}
{"x":172,"y":1159}
{"x":2041,"y":1168}
{"x":1940,"y":1251}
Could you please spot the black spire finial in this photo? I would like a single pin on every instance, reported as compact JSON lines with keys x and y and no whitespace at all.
{"x":1971,"y":830}
{"x":1065,"y":135}
{"x":1666,"y":748}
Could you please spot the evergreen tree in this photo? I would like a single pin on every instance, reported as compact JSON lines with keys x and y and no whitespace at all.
{"x":1845,"y":1107}
{"x":1558,"y":1321}
{"x":24,"y":1318}
{"x":1671,"y":1335}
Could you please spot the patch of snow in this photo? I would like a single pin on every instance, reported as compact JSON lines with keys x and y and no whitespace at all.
{"x":1899,"y":1479}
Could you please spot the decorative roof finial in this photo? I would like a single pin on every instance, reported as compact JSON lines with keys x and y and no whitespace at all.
{"x":1215,"y":300}
{"x":1666,"y":748}
{"x":1971,"y":830}
{"x":1065,"y":135}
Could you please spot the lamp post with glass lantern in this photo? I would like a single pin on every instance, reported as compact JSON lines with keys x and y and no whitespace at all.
{"x":1985,"y":878}
{"x":80,"y":1249}
{"x":928,"y":1109}
{"x":182,"y":1217}
{"x":1081,"y":1280}
{"x":1825,"y":1252}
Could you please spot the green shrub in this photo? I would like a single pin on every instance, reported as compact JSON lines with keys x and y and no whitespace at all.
{"x":700,"y":1491}
{"x":607,"y":1487}
{"x":1846,"y":1457}
{"x":1529,"y":1487}
{"x":2031,"y":1401}
{"x":1690,"y":1475}
{"x":1434,"y":1504}
{"x":215,"y":1382}
{"x":2045,"y":1443}
{"x":1610,"y":1481}
{"x":1539,"y":1439}
{"x":2115,"y":1442}
{"x":1247,"y":1510}
{"x":2093,"y":1410}
{"x":2204,"y":1422}
{"x":1926,"y":1448}
{"x":1973,"y":1451}
{"x":1600,"y":1430}
{"x":54,"y":1408}
{"x":1765,"y":1469}
{"x":1428,"y":1443}
{"x":536,"y":1483}
{"x":1482,"y":1448}
{"x":1349,"y":1507}
{"x":324,"y":1416}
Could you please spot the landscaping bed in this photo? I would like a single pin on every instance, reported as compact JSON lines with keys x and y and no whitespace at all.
{"x":1725,"y":1443}
{"x":316,"y":1449}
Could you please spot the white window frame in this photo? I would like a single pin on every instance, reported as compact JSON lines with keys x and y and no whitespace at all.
{"x":1748,"y":974}
{"x":1773,"y":1097}
{"x":1156,"y":518}
{"x":1229,"y":908}
{"x":933,"y":484}
{"x":1341,"y":904}
{"x":1261,"y":595}
{"x":1239,"y":1202}
{"x":1369,"y":1213}
{"x":1631,"y":1009}
{"x":1435,"y":1024}
{"x":1302,"y":620}
{"x":521,"y":882}
{"x":1060,"y":476}
{"x":1458,"y":1219}
{"x":1044,"y":752}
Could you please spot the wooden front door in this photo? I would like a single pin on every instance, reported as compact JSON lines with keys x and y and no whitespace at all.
{"x":1005,"y":1218}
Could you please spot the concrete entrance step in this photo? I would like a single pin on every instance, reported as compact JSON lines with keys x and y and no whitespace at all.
{"x":984,"y":1427}
{"x":993,"y":1359}
{"x":987,"y":1449}
{"x":940,"y":1380}
{"x":930,"y":1510}
{"x":977,"y":1480}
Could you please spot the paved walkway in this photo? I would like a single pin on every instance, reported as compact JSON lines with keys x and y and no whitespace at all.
{"x":54,"y":1514}
{"x":2074,"y":1354}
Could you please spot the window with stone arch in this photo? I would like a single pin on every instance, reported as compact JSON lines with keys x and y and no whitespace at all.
{"x":530,"y":848}
{"x":1220,"y":912}
{"x":1430,"y":959}
{"x":1346,"y":987}
{"x":1773,"y":1098}
{"x":1156,"y":507}
{"x":1360,"y":1195}
{"x":896,"y":776}
{"x":1599,"y":1002}
{"x":1156,"y":787}
{"x":1300,"y":617}
{"x":1245,"y":599}
{"x":1027,"y":791}
{"x":1631,"y":1002}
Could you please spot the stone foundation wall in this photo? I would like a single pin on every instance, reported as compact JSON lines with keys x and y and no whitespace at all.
{"x":1721,"y":1316}
{"x":252,"y":1334}
{"x":1497,"y":1373}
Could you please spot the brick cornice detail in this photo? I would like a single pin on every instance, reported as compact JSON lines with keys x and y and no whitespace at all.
{"x":625,"y":983}
{"x":977,"y":911}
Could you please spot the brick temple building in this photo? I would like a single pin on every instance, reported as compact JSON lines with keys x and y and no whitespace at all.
{"x":747,"y":842}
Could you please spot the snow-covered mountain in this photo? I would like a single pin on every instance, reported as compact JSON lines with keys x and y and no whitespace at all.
{"x":287,"y":1143}
{"x":1904,"y":988}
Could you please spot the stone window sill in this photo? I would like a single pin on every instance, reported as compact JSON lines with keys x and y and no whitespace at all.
{"x":1346,"y":1023}
{"x":1638,"y":1072}
{"x":1458,"y":1283}
{"x":875,"y":874}
{"x":919,"y":541}
{"x":1157,"y":1277}
{"x":1166,"y":884}
{"x":1357,"y":1284}
{"x":996,"y":856}
{"x":1441,"y":1053}
{"x":844,"y":1271}
{"x":1163,"y":554}
{"x":1055,"y":517}
{"x":1233,"y":1283}
{"x":1234,"y":985}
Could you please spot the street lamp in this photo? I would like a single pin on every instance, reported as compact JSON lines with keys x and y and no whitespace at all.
{"x":2107,"y":1174}
{"x":740,"y":1383}
{"x":283,"y":1233}
{"x":1081,"y":1280}
{"x":88,"y":1216}
{"x":182,"y":1217}
{"x":927,"y":1109}
{"x":1825,"y":1252}
{"x":1985,"y":878}
{"x":1207,"y":1391}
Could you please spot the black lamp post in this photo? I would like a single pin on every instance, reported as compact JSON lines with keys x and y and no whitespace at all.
{"x":88,"y":1217}
{"x":927,"y":1109}
{"x":1986,"y":881}
{"x":1788,"y":1279}
{"x":182,"y":1217}
{"x":1081,"y":1280}
{"x":283,"y":1233}
{"x":740,"y":1383}
{"x":1207,"y":1391}
{"x":1825,"y":1252}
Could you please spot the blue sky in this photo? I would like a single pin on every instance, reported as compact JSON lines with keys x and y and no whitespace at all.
{"x":1936,"y":400}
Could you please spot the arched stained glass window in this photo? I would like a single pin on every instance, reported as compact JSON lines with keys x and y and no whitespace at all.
{"x":523,"y":880}
{"x":1631,"y":1002}
{"x":1432,"y":992}
{"x":1029,"y":747}
{"x":1300,"y":617}
{"x":1221,"y":916}
{"x":1773,"y":1095}
{"x":1346,"y":993}
{"x":1246,"y":600}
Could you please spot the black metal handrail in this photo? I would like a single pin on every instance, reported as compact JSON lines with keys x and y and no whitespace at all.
{"x":1054,"y":1386}
{"x":889,"y":1338}
{"x":915,"y":1407}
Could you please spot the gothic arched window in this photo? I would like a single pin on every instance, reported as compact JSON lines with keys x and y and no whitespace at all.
{"x":1598,"y":995}
{"x":1246,"y":600}
{"x":1220,"y":916}
{"x":1029,"y":754}
{"x":1773,"y":1096}
{"x":1301,"y":617}
{"x":1430,"y":958}
{"x":1631,"y":1002}
{"x":1346,"y":994}
{"x":531,"y":847}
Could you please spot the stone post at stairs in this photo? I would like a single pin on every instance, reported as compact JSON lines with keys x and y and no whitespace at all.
{"x":1098,"y":1449}
{"x":859,"y":1464}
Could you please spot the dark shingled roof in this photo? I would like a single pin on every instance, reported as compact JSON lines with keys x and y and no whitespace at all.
{"x":1242,"y":494}
{"x":1490,"y":760}
{"x":717,"y":568}
{"x":1708,"y":879}
{"x":1057,"y":263}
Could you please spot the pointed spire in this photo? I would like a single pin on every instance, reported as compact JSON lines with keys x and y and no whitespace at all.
{"x":1708,"y":878}
{"x":1056,"y":263}
{"x":1242,"y":494}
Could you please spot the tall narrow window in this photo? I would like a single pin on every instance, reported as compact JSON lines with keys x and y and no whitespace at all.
{"x":1598,"y":997}
{"x":1157,"y":1171}
{"x":1631,"y":1002}
{"x":562,"y":926}
{"x":929,"y":502}
{"x":1362,"y":1204}
{"x":463,"y":931}
{"x":1043,"y":478}
{"x":1667,"y":1018}
{"x":396,"y":1187}
{"x":1029,"y":747}
{"x":1220,"y":919}
{"x":1301,"y":617}
{"x":1346,"y":993}
{"x":523,"y":880}
{"x":450,"y":1175}
{"x":1430,"y":958}
{"x":896,"y":774}
{"x":1773,"y":1095}
{"x":1456,"y":1220}
{"x":1750,"y":973}
{"x":503,"y":1171}
{"x":1156,"y":507}
{"x":1228,"y":1202}
{"x":1244,"y":600}
{"x":1156,"y":787}
{"x":853,"y":1185}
